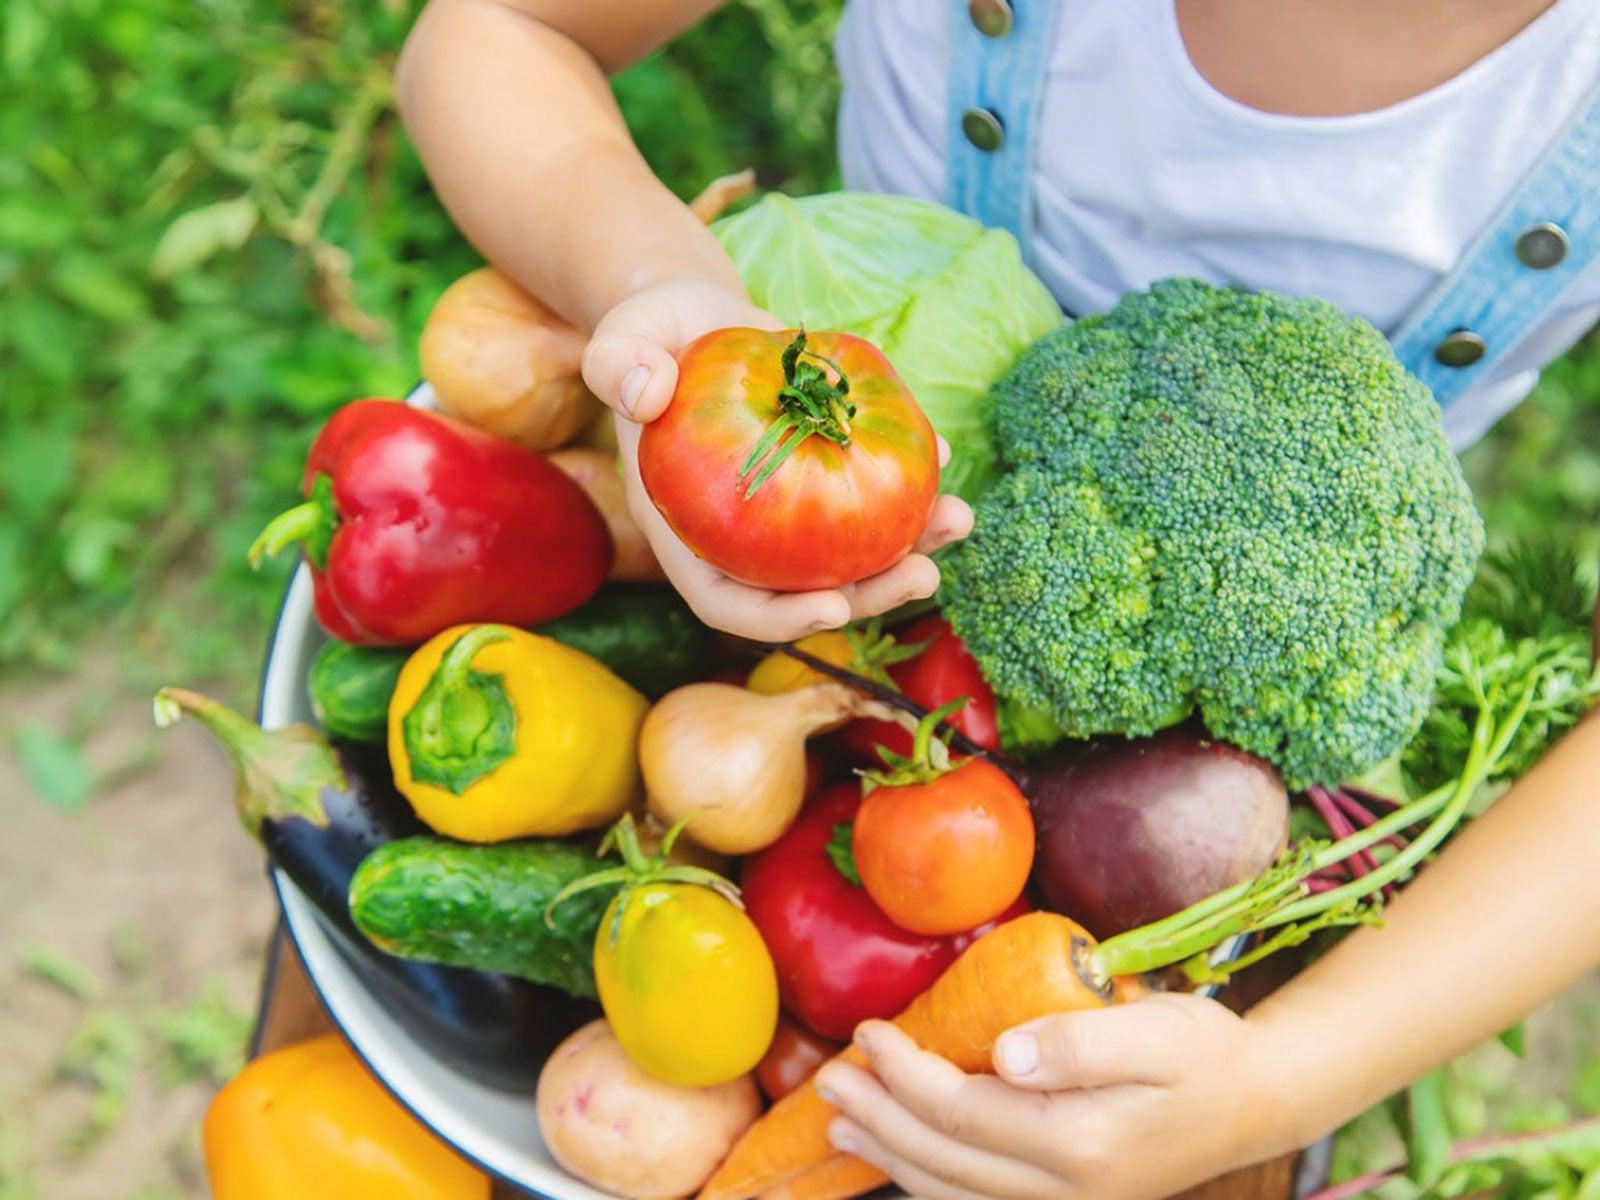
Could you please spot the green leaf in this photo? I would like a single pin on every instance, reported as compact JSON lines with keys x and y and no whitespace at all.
{"x":206,"y":1039}
{"x":94,"y":285}
{"x":1427,"y":1131}
{"x":54,"y":767}
{"x":202,"y":232}
{"x":60,"y":969}
{"x":13,"y":569}
{"x":1515,"y":1039}
{"x":841,"y":852}
{"x":1586,"y":1088}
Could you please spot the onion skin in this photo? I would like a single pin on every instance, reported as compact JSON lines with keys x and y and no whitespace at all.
{"x":1133,"y":831}
{"x":501,"y":360}
{"x":595,"y":471}
{"x":734,"y":760}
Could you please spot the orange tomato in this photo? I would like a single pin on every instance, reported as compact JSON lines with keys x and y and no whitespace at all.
{"x":946,"y":854}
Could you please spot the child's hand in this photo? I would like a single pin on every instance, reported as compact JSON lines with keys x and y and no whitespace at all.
{"x":1125,"y":1103}
{"x":631,"y":364}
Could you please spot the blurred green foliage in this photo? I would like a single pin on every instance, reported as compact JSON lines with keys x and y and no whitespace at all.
{"x":213,"y":231}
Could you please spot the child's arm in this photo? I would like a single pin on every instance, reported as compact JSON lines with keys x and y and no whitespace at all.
{"x":509,"y":107}
{"x":1146,"y":1099}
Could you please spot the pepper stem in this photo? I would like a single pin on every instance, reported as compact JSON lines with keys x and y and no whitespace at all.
{"x":280,"y":773}
{"x":809,"y":403}
{"x":463,"y":725}
{"x":311,"y":523}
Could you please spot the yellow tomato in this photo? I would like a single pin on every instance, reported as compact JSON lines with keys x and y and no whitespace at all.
{"x":686,"y":983}
{"x":497,"y":733}
{"x":778,"y":672}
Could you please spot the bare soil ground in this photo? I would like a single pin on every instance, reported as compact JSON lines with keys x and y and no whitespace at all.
{"x":151,"y":906}
{"x":131,"y":940}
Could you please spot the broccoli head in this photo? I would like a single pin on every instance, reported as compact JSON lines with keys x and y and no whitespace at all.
{"x":1232,"y":503}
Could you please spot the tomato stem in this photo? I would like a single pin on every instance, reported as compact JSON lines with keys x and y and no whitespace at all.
{"x":638,"y":869}
{"x":808,"y":403}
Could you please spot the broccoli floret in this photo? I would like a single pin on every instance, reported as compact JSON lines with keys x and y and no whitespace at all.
{"x":1234,"y":503}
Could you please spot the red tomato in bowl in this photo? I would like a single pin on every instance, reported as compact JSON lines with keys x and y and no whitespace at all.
{"x":943,"y":672}
{"x":790,"y":460}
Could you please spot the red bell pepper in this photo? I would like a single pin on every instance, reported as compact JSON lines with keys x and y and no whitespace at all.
{"x":943,"y":672}
{"x":415,"y":522}
{"x":840,"y":961}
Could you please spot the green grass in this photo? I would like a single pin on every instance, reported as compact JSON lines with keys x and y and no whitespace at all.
{"x":212,"y":233}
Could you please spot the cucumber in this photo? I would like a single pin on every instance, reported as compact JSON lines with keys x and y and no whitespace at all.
{"x":647,"y":635}
{"x":350,"y":688}
{"x":484,"y":907}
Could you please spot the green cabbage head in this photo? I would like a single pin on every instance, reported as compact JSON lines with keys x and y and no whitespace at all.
{"x":948,"y":301}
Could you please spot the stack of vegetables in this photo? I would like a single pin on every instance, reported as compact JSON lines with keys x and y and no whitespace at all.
{"x":1221,"y":556}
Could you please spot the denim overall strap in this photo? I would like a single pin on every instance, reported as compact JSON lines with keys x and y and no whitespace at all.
{"x":1538,"y":243}
{"x":999,"y":52}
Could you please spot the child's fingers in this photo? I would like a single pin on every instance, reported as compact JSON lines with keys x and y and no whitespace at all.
{"x":878,"y":1127}
{"x":979,"y":1111}
{"x":629,"y":367}
{"x":1128,"y":1043}
{"x":914,"y":577}
{"x":950,"y":521}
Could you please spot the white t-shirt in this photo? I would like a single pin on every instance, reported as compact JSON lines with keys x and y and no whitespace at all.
{"x":1145,"y":170}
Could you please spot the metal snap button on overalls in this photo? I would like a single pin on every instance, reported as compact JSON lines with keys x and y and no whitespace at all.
{"x":1542,"y":246}
{"x":1460,"y":348}
{"x":992,"y":17}
{"x":983,"y":129}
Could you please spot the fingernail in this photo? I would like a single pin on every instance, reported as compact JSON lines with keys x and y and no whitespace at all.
{"x":841,"y":1138}
{"x":633,"y":385}
{"x":1017,"y":1054}
{"x":829,"y":1096}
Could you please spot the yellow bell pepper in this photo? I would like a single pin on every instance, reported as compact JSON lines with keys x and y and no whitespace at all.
{"x":497,"y":733}
{"x":308,"y":1121}
{"x":778,"y":672}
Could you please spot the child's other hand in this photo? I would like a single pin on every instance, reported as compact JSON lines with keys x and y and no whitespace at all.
{"x":1125,"y":1103}
{"x":631,"y":364}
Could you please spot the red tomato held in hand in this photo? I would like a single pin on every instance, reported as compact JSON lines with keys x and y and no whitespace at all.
{"x":793,"y":1058}
{"x":791,"y":461}
{"x":943,"y":672}
{"x":947,"y":854}
{"x":840,"y":960}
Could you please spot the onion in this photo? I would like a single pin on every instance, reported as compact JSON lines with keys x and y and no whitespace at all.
{"x":733,"y":760}
{"x":597,"y":473}
{"x":501,"y":360}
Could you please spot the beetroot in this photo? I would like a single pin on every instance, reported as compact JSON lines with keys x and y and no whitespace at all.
{"x":1130,"y":831}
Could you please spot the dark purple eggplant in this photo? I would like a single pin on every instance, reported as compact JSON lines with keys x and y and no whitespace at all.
{"x":318,"y":808}
{"x":1133,"y":830}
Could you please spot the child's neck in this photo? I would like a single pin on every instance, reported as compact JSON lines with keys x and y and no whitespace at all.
{"x":1332,"y":57}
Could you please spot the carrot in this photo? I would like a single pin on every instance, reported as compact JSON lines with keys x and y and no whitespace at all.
{"x":1031,"y":967}
{"x":839,"y":1178}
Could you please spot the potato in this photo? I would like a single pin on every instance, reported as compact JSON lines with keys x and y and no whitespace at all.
{"x":501,"y":360}
{"x":613,"y":1126}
